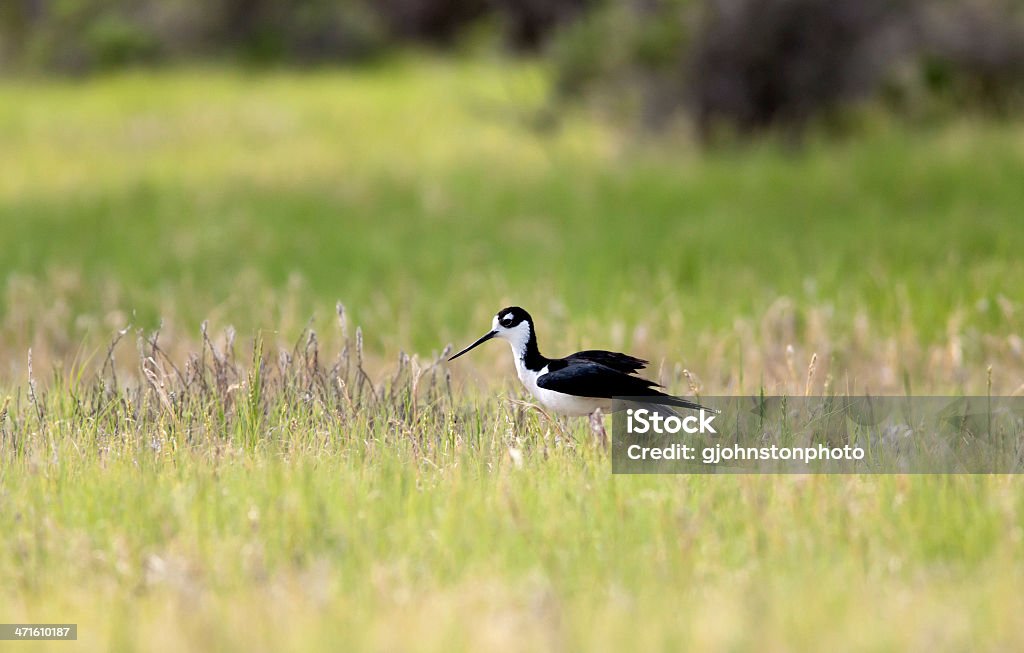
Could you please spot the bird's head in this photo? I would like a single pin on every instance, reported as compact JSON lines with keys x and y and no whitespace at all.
{"x":512,"y":324}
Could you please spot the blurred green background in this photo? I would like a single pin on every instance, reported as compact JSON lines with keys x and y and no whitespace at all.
{"x":706,"y":182}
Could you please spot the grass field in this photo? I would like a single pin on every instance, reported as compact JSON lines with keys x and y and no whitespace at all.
{"x":351,"y":494}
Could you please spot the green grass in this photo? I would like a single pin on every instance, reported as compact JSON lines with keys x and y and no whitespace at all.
{"x":297,"y":511}
{"x":425,"y":196}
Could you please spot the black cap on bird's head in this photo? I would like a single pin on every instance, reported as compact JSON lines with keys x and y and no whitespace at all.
{"x":513,"y":324}
{"x":511,"y":317}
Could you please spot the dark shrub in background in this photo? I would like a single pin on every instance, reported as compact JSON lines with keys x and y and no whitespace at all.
{"x":757,"y":63}
{"x":524,"y":24}
{"x":749,"y":65}
{"x":439,"y":21}
{"x":528,"y":23}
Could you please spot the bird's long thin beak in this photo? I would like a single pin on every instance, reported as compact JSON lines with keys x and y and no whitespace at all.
{"x":487,"y":336}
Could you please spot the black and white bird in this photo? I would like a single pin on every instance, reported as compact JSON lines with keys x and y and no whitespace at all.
{"x":578,"y":384}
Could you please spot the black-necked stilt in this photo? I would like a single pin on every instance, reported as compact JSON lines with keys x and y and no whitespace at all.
{"x":578,"y":384}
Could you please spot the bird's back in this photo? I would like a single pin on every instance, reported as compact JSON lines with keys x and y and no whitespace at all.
{"x":615,"y":360}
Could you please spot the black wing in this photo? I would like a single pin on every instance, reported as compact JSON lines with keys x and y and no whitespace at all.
{"x":620,"y":362}
{"x":589,"y":379}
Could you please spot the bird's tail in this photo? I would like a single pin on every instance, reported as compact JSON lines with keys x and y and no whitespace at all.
{"x":669,"y":403}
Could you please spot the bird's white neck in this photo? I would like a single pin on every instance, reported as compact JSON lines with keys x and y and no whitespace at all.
{"x":518,"y":338}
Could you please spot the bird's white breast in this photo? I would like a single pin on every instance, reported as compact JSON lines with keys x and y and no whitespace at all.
{"x":558,"y":402}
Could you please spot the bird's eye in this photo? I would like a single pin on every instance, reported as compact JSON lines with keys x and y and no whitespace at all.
{"x":506,"y":321}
